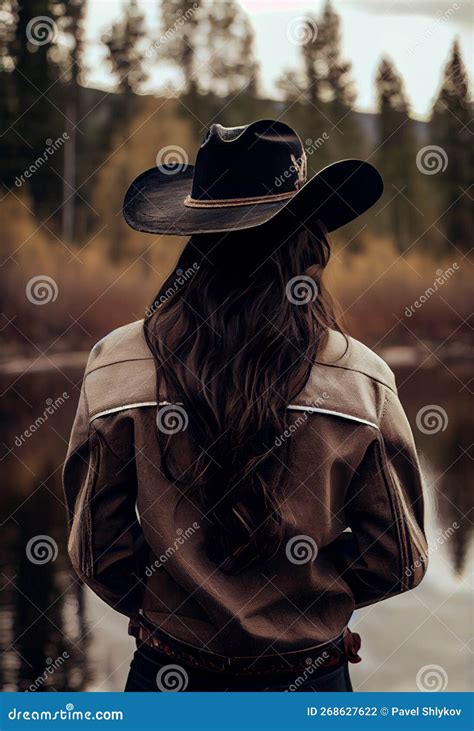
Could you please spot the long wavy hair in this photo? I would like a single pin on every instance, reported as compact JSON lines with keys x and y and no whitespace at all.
{"x":234,"y":332}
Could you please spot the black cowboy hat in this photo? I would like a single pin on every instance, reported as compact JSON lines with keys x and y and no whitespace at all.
{"x":243,"y":177}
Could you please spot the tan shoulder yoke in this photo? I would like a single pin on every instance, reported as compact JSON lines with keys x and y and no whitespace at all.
{"x":347,"y":380}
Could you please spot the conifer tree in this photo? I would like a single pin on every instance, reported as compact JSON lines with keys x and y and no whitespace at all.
{"x":396,"y":152}
{"x":212,"y":44}
{"x":10,"y":143}
{"x":125,"y":52}
{"x":230,"y":65}
{"x":37,"y":117}
{"x":181,"y":31}
{"x":451,"y":129}
{"x":326,"y":75}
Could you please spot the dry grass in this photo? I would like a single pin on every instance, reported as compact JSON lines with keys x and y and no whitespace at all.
{"x":374,"y":288}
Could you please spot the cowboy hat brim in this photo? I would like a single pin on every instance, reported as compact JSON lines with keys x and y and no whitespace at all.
{"x":342,"y":191}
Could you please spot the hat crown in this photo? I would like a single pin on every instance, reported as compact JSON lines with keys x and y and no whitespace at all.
{"x":265,"y":158}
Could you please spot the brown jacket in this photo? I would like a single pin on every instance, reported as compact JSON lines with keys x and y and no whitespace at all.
{"x":352,"y":508}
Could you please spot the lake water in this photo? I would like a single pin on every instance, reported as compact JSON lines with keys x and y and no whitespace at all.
{"x":58,"y":636}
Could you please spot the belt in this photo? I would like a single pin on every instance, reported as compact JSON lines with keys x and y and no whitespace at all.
{"x":320,"y":659}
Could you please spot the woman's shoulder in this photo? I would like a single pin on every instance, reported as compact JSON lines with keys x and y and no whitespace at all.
{"x":348,"y":380}
{"x":342,"y":351}
{"x":126,"y":343}
{"x":120,"y":372}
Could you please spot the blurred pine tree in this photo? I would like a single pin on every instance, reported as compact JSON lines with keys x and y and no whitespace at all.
{"x":451,"y":129}
{"x":125,"y":52}
{"x":395,"y":155}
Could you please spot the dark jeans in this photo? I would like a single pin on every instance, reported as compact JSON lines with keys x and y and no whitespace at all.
{"x":152,"y":672}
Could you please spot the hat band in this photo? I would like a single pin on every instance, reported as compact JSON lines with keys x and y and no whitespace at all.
{"x":231,"y":202}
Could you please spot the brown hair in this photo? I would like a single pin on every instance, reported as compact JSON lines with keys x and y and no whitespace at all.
{"x":233,"y":345}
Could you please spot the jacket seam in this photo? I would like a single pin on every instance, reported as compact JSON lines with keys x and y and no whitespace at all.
{"x":290,"y":407}
{"x":316,"y":363}
{"x":84,"y":518}
{"x":404,"y":540}
{"x":356,"y":370}
{"x":413,"y":539}
{"x":100,"y":436}
{"x":331,"y":412}
{"x":395,"y":510}
{"x":123,"y":407}
{"x":116,"y":362}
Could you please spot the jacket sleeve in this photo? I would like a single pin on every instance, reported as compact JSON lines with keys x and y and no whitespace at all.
{"x":106,"y":544}
{"x":385,"y":552}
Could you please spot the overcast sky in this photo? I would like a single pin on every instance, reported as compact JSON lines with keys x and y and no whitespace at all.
{"x":415,"y":34}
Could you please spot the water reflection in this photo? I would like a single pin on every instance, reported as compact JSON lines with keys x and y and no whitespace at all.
{"x":447,"y":451}
{"x":44,"y":631}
